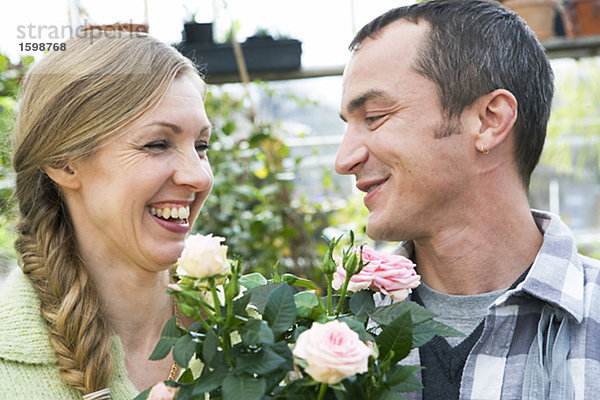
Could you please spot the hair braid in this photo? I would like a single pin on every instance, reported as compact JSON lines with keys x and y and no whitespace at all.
{"x":79,"y":333}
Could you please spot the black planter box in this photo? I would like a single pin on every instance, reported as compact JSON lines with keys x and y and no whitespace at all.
{"x":260,"y":54}
{"x":198,"y":33}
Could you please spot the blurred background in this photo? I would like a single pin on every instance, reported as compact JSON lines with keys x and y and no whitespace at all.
{"x":275,"y":111}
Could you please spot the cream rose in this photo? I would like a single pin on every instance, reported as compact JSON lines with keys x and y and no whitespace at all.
{"x":203,"y":257}
{"x":332,"y":351}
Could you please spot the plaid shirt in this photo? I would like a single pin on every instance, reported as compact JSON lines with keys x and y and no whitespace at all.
{"x":559,"y":277}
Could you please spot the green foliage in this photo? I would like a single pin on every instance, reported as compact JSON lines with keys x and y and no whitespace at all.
{"x":573,"y":141}
{"x":251,"y":200}
{"x":10,"y":79}
{"x":244,"y":343}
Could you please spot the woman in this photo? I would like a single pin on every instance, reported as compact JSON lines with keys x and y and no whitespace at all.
{"x":111,"y":171}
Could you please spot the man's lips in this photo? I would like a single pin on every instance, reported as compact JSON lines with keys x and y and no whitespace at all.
{"x":371,"y":187}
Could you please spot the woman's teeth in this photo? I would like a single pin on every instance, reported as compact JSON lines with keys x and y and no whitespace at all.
{"x":171,"y":212}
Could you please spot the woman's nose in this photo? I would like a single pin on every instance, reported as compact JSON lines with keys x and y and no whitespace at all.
{"x":194,"y":171}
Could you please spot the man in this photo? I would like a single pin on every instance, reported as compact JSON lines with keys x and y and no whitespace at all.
{"x":446,"y":104}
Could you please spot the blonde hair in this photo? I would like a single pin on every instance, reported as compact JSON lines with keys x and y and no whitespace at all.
{"x":71,"y":103}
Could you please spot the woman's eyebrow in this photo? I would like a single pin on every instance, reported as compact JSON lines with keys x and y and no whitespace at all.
{"x":176,"y":128}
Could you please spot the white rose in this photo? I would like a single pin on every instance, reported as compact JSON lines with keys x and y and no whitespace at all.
{"x":203,"y":257}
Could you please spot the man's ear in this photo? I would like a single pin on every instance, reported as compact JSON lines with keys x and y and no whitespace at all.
{"x":497,"y":115}
{"x":65,"y":176}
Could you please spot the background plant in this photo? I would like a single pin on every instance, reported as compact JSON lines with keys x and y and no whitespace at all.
{"x":252,"y":203}
{"x":10,"y":79}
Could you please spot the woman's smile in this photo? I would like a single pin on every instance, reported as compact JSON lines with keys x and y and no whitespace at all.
{"x":172,"y":218}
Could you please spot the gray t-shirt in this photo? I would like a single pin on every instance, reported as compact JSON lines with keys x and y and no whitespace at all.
{"x":463,"y":313}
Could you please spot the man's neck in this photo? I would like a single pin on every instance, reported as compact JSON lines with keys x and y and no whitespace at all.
{"x":485,"y":254}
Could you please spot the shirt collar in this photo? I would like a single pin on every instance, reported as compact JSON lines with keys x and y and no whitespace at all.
{"x":556,"y":276}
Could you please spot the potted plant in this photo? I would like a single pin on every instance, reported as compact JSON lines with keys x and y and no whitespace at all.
{"x":584,"y":16}
{"x":540,"y":15}
{"x":261,"y":52}
{"x":196,"y":32}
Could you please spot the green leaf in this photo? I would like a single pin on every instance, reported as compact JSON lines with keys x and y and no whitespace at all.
{"x":387,"y":394}
{"x":298,"y":331}
{"x":187,"y":376}
{"x":240,"y":304}
{"x":280,"y":310}
{"x":187,"y":296}
{"x":183,"y":350}
{"x":362,"y":302}
{"x":350,"y":389}
{"x":421,"y":334}
{"x":185,"y":392}
{"x":209,"y":349}
{"x":256,"y":332}
{"x":400,"y":373}
{"x":168,"y":337}
{"x":386,"y":314}
{"x":242,"y":388}
{"x":190,"y":311}
{"x":297,"y":281}
{"x":259,"y":295}
{"x":273,"y":382}
{"x":306,"y":302}
{"x":253,"y":280}
{"x":357,"y":327}
{"x":283,"y":349}
{"x":318,"y":311}
{"x":442,"y":329}
{"x":396,"y":337}
{"x":261,"y":361}
{"x":411,"y":384}
{"x":143,"y":395}
{"x":209,"y":380}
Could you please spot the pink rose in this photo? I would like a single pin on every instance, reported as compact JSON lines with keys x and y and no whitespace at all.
{"x":203,"y":257}
{"x":332,"y":351}
{"x":160,"y":391}
{"x":390,"y":274}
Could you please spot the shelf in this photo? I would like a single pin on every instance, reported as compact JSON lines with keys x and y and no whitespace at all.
{"x":555,"y":48}
{"x":302,"y":73}
{"x":585,"y":46}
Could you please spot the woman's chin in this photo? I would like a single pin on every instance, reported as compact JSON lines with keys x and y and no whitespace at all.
{"x":166,"y":258}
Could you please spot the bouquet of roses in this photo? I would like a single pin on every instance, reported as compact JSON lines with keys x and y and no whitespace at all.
{"x":257,"y":338}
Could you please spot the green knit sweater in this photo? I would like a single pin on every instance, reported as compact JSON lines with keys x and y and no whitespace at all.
{"x":27,"y":361}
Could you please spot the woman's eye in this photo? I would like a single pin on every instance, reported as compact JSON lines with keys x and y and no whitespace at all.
{"x":158,"y":145}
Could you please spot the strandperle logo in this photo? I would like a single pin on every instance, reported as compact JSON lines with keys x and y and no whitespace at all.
{"x":33,"y":32}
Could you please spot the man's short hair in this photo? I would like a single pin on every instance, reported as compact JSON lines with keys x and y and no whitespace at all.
{"x":474,"y":47}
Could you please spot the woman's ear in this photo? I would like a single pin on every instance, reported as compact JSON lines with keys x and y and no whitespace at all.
{"x":65,"y":176}
{"x":497,"y":115}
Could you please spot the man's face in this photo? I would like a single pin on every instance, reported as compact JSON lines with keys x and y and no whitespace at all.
{"x":410,"y":160}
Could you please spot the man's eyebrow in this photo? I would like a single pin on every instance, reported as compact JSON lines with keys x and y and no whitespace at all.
{"x":360,"y":101}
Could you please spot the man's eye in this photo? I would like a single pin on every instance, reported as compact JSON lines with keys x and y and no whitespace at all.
{"x":372,"y":119}
{"x":202,"y":148}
